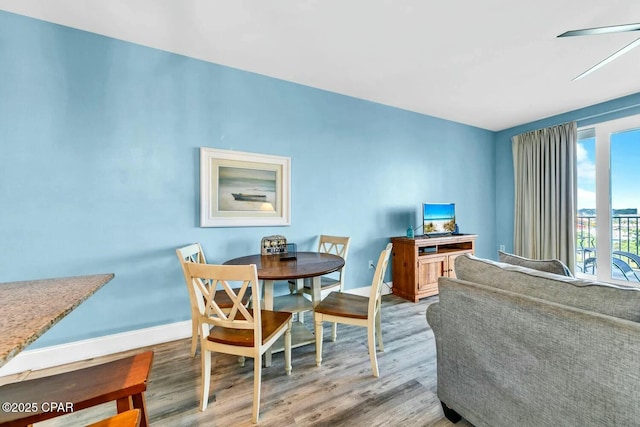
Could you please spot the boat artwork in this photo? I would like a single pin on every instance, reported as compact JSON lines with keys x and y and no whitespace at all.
{"x":249,"y":197}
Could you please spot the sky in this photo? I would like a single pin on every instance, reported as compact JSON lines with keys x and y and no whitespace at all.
{"x":625,"y":163}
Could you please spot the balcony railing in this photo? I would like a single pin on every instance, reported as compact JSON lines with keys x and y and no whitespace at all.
{"x":625,"y":233}
{"x":625,"y":236}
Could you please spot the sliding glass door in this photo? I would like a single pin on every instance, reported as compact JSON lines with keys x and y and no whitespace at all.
{"x":608,"y":226}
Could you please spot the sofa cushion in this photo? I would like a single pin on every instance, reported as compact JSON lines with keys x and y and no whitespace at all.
{"x":549,"y":265}
{"x":614,"y":300}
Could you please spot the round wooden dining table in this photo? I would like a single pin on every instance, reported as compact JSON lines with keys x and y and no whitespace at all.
{"x":306,"y":265}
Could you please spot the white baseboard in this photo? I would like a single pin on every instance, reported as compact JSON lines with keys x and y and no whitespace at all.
{"x":48,"y":357}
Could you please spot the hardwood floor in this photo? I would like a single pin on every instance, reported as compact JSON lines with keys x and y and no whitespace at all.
{"x":340,"y":392}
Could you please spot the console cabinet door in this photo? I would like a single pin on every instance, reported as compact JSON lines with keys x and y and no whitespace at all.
{"x":429,"y":269}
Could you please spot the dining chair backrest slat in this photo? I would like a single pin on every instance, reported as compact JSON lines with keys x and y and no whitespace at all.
{"x":221,"y":276}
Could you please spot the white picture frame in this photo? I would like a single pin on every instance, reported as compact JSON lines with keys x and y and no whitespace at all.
{"x":240,"y":189}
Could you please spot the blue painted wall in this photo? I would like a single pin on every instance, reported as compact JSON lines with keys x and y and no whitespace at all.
{"x":99,"y":169}
{"x":610,"y":110}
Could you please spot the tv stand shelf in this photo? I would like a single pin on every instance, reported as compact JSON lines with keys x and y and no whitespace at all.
{"x":417,"y":263}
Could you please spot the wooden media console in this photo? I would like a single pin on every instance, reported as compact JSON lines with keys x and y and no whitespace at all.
{"x":417,"y":263}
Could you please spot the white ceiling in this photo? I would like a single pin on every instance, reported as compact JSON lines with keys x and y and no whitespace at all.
{"x":492,"y":64}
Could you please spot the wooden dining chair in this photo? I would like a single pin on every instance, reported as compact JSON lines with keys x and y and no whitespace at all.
{"x":335,"y":245}
{"x":340,"y":307}
{"x":194,"y":253}
{"x":242,"y":331}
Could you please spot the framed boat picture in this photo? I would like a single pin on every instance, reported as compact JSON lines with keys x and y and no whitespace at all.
{"x":239,"y":189}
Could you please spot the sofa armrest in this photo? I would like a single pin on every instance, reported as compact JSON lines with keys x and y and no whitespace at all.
{"x":433,"y":316}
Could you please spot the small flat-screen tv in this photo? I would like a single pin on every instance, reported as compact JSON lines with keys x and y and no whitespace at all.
{"x":438,"y":218}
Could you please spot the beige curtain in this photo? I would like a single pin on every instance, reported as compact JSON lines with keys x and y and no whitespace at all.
{"x":544,"y":165}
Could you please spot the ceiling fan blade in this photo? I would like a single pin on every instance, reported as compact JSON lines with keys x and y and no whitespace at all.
{"x":602,"y":30}
{"x":610,"y":58}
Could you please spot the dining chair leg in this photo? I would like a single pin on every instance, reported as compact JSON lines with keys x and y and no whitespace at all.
{"x":379,"y":331}
{"x":257,"y":380}
{"x":287,"y":349}
{"x":334,"y":331}
{"x":206,"y":377}
{"x":372,"y":349}
{"x":319,"y":332}
{"x":194,"y":336}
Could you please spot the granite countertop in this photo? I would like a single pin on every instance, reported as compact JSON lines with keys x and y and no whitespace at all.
{"x":31,"y":307}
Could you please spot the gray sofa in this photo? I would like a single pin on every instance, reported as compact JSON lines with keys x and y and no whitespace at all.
{"x":521,"y":347}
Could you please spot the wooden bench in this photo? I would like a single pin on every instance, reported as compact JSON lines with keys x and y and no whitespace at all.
{"x":123,"y":380}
